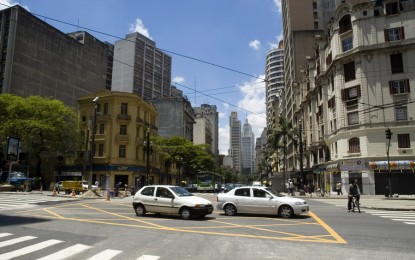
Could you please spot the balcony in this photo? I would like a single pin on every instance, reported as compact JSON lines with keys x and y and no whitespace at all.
{"x":124,"y":117}
{"x":123,"y":138}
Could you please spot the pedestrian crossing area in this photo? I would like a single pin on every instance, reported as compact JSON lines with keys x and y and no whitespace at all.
{"x":406,"y":217}
{"x":16,"y":201}
{"x":12,"y":247}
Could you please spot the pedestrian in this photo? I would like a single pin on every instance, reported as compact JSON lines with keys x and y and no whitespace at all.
{"x":338,"y":188}
{"x":311,"y":187}
{"x":354,"y":191}
{"x":97,"y":184}
{"x":132,"y":190}
{"x":215,"y":188}
{"x":290,"y":187}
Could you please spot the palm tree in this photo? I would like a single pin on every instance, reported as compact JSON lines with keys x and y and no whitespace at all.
{"x":284,"y":132}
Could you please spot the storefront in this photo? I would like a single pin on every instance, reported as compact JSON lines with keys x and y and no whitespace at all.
{"x":402,"y":176}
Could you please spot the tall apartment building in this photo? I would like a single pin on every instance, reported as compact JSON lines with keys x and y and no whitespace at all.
{"x":357,"y":86}
{"x":302,"y":21}
{"x":140,"y":68}
{"x":247,"y":149}
{"x":235,"y":141}
{"x":211,"y":113}
{"x":38,"y":59}
{"x":123,"y":121}
{"x":274,"y":74}
{"x":202,"y":131}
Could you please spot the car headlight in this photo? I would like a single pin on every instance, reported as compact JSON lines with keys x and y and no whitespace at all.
{"x":300,"y":203}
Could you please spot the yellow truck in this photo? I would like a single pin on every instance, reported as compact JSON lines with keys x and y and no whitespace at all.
{"x":68,"y":186}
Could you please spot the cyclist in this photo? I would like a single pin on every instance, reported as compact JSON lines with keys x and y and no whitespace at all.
{"x":354,"y":191}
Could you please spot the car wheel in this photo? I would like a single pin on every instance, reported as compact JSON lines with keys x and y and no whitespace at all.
{"x":285,"y":211}
{"x":185,"y":213}
{"x":230,"y":210}
{"x":140,"y":210}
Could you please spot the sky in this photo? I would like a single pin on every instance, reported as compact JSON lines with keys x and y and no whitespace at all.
{"x":218,"y":47}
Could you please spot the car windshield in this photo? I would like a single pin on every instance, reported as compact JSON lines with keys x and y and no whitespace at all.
{"x":274,"y":193}
{"x":179,"y":191}
{"x":17,"y":174}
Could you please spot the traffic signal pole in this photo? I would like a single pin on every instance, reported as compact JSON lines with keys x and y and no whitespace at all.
{"x":389,"y":137}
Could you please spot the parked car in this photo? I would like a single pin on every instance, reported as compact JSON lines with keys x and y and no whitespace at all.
{"x":167,"y":199}
{"x":260,"y":200}
{"x":18,"y":178}
{"x":85,"y":186}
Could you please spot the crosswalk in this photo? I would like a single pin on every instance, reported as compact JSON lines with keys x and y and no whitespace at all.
{"x":406,"y":217}
{"x":25,"y":200}
{"x":31,"y":244}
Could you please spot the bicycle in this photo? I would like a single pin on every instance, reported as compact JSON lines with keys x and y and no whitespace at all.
{"x":322,"y":193}
{"x":355,"y":204}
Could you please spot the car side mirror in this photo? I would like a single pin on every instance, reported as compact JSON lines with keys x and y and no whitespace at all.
{"x":268,"y":196}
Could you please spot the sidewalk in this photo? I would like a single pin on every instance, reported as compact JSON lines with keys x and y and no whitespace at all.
{"x":379,"y":202}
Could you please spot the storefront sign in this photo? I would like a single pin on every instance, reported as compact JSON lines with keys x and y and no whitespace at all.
{"x":394,"y":165}
{"x":353,"y":165}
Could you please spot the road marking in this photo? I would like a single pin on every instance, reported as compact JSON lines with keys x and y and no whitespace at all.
{"x":67,"y":252}
{"x":328,"y":228}
{"x":105,"y":255}
{"x":29,"y":249}
{"x":15,"y":241}
{"x":5,"y":234}
{"x":148,"y":257}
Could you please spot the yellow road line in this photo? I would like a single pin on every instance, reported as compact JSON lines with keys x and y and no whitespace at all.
{"x":328,"y":228}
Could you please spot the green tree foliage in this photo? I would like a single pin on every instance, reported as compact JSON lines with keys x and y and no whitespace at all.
{"x":178,"y":149}
{"x":46,"y":127}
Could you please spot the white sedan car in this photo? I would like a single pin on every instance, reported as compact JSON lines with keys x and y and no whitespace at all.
{"x":259,"y":200}
{"x":167,"y":199}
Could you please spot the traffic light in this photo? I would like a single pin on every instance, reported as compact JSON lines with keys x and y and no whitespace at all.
{"x":388,"y":134}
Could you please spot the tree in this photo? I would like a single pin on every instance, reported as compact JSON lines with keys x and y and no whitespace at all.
{"x":192,"y":157}
{"x":45,"y":127}
{"x":282,"y":134}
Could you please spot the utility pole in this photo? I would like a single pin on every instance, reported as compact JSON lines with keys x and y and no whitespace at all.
{"x":301,"y":156}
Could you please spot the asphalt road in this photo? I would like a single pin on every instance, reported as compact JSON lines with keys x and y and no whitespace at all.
{"x":110,"y":230}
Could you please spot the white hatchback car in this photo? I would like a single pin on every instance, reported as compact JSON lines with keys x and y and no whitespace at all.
{"x":259,"y":200}
{"x":166,"y":199}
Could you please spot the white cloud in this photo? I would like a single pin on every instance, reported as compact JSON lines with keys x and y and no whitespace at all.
{"x":178,"y":79}
{"x":254,"y":101}
{"x":139,"y":27}
{"x":278,"y":38}
{"x":278,"y":5}
{"x":4,"y":4}
{"x":255,"y":44}
{"x":224,"y":139}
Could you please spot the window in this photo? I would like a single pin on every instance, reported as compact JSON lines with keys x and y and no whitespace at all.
{"x":121,"y":151}
{"x":404,"y":141}
{"x":149,"y":191}
{"x":352,"y":93}
{"x":396,"y":63}
{"x":353,"y":118}
{"x":394,"y":34}
{"x":345,"y":24}
{"x":98,"y":108}
{"x":392,"y":8}
{"x":245,"y":192}
{"x":105,"y":108}
{"x":401,"y":113}
{"x":347,"y":44}
{"x":349,"y":71}
{"x":101,"y":129}
{"x":399,"y":86}
{"x":101,"y":150}
{"x":259,"y":193}
{"x":123,"y":129}
{"x":315,"y":25}
{"x":314,"y":5}
{"x":124,"y":109}
{"x":354,"y":145}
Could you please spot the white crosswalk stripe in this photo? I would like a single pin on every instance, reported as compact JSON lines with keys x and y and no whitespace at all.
{"x":64,"y":253}
{"x":407,"y":217}
{"x":13,"y":201}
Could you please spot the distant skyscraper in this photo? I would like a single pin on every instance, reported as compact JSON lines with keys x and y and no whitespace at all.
{"x":140,"y":68}
{"x":211,"y":113}
{"x":235,"y":140}
{"x":248,"y":149}
{"x":274,"y":73}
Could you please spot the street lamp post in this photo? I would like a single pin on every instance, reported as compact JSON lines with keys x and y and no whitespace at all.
{"x":389,"y":137}
{"x":179,"y":166}
{"x":91,"y":157}
{"x":147,"y":147}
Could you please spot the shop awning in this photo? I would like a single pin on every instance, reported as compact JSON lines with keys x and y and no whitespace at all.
{"x":394,"y":165}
